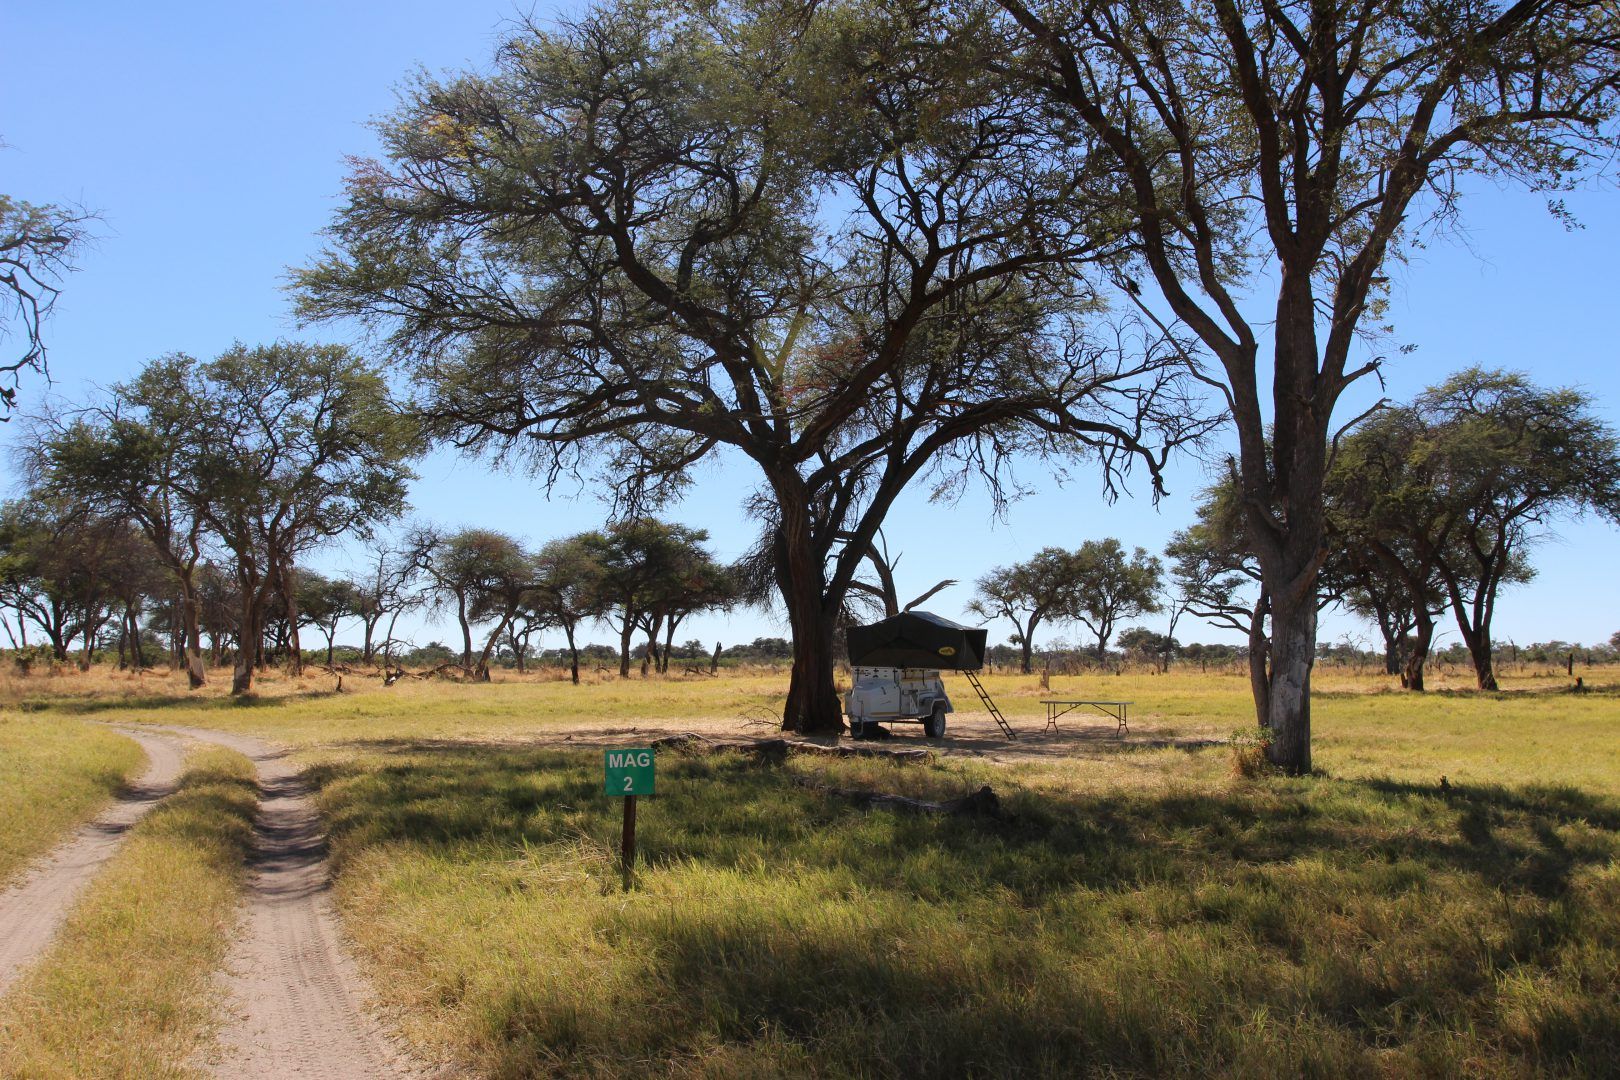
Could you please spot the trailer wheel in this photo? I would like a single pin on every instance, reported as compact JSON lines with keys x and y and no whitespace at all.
{"x":934,"y":726}
{"x":857,"y":729}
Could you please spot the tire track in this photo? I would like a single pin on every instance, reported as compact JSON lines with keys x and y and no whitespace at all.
{"x":295,"y":997}
{"x":32,"y":910}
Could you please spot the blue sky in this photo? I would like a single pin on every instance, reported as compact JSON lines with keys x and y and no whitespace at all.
{"x":213,"y":138}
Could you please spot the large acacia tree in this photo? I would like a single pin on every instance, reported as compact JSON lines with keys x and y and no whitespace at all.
{"x":1273,"y":156}
{"x":1110,"y":585}
{"x":284,"y":447}
{"x":1451,"y":491}
{"x":773,"y":228}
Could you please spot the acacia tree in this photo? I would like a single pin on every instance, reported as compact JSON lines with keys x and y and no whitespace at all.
{"x":385,"y":589}
{"x":1389,"y":535}
{"x":637,"y":239}
{"x":126,"y":456}
{"x":51,"y":558}
{"x":325,"y":602}
{"x":501,"y":595}
{"x":1027,"y":594}
{"x":1272,"y":156}
{"x":1110,"y":586}
{"x":289,"y":446}
{"x":567,"y":589}
{"x":1461,"y":484}
{"x":462,"y":571}
{"x":699,"y":583}
{"x":640,"y":566}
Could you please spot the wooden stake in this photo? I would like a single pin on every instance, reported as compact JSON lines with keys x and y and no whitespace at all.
{"x":627,"y":847}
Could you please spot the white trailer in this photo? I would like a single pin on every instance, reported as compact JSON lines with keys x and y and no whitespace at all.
{"x":886,"y":695}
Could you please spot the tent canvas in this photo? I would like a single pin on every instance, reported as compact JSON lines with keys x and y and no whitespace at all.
{"x":917,"y":639}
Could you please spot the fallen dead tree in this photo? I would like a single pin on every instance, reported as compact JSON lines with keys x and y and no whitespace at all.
{"x":691,"y":742}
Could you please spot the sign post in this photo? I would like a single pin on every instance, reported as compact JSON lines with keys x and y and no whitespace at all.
{"x":627,"y":774}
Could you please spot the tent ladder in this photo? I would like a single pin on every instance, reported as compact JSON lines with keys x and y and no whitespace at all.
{"x":989,"y":705}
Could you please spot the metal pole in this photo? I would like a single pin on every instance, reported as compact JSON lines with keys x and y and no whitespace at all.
{"x":628,"y":844}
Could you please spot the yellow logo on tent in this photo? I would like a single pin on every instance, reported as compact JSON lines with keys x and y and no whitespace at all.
{"x":947,"y":650}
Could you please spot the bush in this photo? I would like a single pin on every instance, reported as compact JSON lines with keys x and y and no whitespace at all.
{"x":1249,"y":747}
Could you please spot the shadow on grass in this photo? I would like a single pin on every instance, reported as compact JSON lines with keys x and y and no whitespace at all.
{"x":1141,"y":932}
{"x":154,"y":702}
{"x":729,"y":810}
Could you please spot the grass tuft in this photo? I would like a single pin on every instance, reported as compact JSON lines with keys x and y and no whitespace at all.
{"x":126,"y":990}
{"x":55,"y":772}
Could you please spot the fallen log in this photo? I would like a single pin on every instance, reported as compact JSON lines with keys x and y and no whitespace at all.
{"x":691,"y":742}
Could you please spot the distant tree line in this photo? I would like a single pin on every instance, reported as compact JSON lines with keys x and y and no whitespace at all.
{"x":1433,"y":507}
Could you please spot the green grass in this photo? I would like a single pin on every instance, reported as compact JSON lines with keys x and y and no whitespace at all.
{"x":127,"y":988}
{"x":1140,"y":911}
{"x":1196,"y":925}
{"x":55,"y":772}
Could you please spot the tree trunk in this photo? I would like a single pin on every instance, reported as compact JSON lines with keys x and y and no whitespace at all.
{"x":1392,"y":655}
{"x":388,"y":639}
{"x":482,"y":670}
{"x":91,"y":627}
{"x":651,"y":655}
{"x":249,"y":636}
{"x":1422,"y":637}
{"x":714,"y":661}
{"x":137,"y":649}
{"x":1293,"y":653}
{"x":812,"y":706}
{"x":1027,"y":648}
{"x":573,"y":653}
{"x":625,"y":634}
{"x":1479,"y":650}
{"x":669,"y":643}
{"x":295,"y":648}
{"x":466,"y":632}
{"x":1259,"y":661}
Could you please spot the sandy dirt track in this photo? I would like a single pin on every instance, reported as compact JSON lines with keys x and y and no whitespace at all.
{"x":33,"y":909}
{"x":296,"y":1000}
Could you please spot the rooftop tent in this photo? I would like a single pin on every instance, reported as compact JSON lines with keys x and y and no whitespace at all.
{"x":917,"y":639}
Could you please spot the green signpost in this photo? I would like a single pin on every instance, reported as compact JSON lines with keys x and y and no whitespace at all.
{"x":627,"y":773}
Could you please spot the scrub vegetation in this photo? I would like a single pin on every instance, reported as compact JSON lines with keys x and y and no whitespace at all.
{"x":127,"y":988}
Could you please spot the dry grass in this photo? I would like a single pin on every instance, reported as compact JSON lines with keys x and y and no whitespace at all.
{"x":1140,"y":911}
{"x":55,"y":773}
{"x":127,"y":988}
{"x":1180,"y":923}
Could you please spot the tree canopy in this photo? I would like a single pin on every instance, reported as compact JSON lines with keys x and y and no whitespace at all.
{"x":1451,"y":491}
{"x":1270,"y":157}
{"x":637,"y":239}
